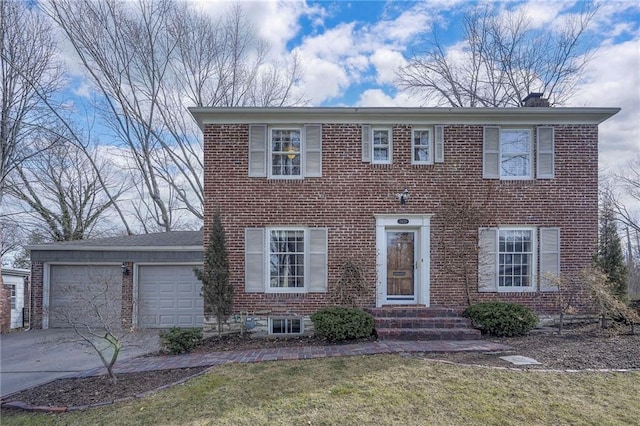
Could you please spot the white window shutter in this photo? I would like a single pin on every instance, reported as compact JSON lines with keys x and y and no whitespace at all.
{"x":545,"y":149}
{"x":313,"y":150}
{"x":257,"y":150}
{"x":491,"y":153}
{"x":549,"y":257}
{"x":318,"y":248}
{"x":439,"y":144}
{"x":487,"y":260}
{"x":366,"y":143}
{"x":254,"y":260}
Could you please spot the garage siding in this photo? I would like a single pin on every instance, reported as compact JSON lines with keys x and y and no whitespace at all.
{"x":168,"y":296}
{"x":85,"y":294}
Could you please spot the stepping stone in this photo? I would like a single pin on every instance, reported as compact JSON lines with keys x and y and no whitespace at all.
{"x":520,"y":360}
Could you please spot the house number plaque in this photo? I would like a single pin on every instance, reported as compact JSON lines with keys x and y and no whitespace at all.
{"x":403,"y":221}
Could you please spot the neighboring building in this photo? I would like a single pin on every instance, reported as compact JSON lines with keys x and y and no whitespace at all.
{"x":435,"y":206}
{"x":149,"y":279}
{"x":15,"y":283}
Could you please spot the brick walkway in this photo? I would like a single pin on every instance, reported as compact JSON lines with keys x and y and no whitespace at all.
{"x":167,"y":362}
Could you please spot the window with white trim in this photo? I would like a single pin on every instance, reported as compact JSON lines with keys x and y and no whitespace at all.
{"x":515,"y":259}
{"x":515,"y":153}
{"x":285,"y":152}
{"x":285,"y":326}
{"x":12,"y":289}
{"x":381,"y":146}
{"x":422,"y":146}
{"x":508,"y":258}
{"x":286,"y":259}
{"x":507,"y":153}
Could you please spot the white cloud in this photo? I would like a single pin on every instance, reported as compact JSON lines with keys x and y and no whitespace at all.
{"x":378,"y":98}
{"x":386,"y":62}
{"x":612,"y":80}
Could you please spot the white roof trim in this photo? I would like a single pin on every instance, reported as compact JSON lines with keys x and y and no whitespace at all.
{"x":524,"y":115}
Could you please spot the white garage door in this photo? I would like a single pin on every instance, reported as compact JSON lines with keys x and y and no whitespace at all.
{"x":168,"y":296}
{"x":84,"y":294}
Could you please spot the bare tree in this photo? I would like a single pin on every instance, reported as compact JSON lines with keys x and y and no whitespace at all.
{"x":59,"y":191}
{"x":29,"y":74}
{"x":149,"y":60}
{"x":93,"y":311}
{"x":501,"y":60}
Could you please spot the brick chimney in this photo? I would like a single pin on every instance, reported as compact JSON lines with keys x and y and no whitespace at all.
{"x":535,"y":99}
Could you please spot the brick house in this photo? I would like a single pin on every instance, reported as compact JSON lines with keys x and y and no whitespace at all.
{"x":436,"y":207}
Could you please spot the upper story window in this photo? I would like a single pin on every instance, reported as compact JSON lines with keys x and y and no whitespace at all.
{"x":508,"y":153}
{"x":422,"y":146}
{"x":381,"y":144}
{"x":515,"y":154}
{"x":285,"y":152}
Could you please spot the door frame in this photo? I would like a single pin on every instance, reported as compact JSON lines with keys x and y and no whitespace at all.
{"x":421,"y":224}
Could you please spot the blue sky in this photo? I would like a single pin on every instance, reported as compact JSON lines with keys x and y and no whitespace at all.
{"x":351,"y":49}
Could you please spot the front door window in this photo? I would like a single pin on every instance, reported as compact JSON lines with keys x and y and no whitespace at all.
{"x":401,"y":265}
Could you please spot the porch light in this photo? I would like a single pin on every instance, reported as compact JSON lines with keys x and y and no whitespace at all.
{"x":125,"y":268}
{"x":403,"y":196}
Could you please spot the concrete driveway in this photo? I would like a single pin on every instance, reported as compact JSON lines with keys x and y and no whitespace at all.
{"x":33,"y":357}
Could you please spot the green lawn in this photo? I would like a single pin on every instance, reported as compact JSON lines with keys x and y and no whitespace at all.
{"x":380,"y":390}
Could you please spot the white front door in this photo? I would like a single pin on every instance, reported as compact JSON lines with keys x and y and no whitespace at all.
{"x":402,"y":260}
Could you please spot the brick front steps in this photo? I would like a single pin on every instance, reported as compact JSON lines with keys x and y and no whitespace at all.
{"x":422,"y":323}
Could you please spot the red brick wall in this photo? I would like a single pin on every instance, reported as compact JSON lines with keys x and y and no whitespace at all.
{"x":127,"y":297}
{"x":37,"y":271}
{"x":350,"y":192}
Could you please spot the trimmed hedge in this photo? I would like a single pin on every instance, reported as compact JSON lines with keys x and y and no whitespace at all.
{"x":502,"y":318}
{"x":339,"y":323}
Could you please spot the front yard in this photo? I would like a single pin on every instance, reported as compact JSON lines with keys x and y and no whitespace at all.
{"x":384,"y":389}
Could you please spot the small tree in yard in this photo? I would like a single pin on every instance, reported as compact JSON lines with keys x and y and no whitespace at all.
{"x":566,"y":295}
{"x":610,"y":258}
{"x":606,"y":300}
{"x":217,"y":291}
{"x":93,"y":311}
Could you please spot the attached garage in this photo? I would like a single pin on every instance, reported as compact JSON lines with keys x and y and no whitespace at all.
{"x":149,"y":280}
{"x":169,"y":295}
{"x":75,"y":290}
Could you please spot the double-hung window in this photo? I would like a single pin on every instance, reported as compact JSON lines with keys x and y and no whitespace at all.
{"x":508,"y":153}
{"x":286,"y":259}
{"x":518,"y":259}
{"x":13,"y":296}
{"x":422,"y":146}
{"x":515,"y":259}
{"x":286,"y":152}
{"x":515,"y":154}
{"x":381,"y":145}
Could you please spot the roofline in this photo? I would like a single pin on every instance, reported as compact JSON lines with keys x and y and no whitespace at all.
{"x":71,"y":247}
{"x":523,"y":115}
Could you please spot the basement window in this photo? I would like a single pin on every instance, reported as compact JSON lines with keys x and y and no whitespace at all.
{"x":280,"y":326}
